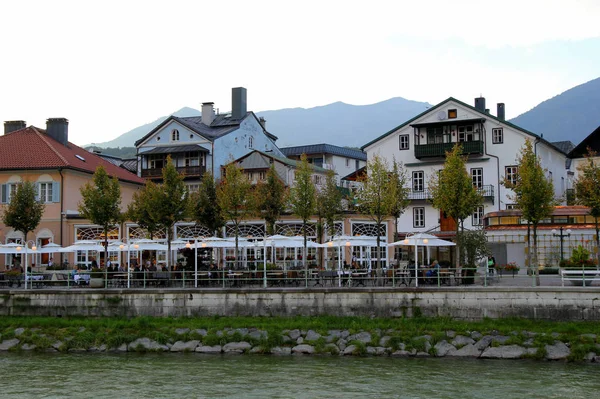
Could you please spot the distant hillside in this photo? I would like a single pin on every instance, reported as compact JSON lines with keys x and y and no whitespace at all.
{"x":128,"y":139}
{"x":339,"y":123}
{"x":572,"y":115}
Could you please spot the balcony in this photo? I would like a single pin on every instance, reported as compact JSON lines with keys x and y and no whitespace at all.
{"x":439,"y":149}
{"x":486,"y":191}
{"x":186,"y":171}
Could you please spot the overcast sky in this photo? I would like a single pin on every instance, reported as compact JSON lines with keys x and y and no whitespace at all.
{"x":109,"y":66}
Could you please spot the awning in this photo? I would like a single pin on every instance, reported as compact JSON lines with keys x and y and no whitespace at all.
{"x":175,"y":149}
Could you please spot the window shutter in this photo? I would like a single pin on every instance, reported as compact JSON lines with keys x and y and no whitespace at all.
{"x":4,"y":189}
{"x":37,"y":192}
{"x":55,"y":191}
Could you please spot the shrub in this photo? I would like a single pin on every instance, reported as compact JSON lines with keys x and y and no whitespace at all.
{"x":549,"y":270}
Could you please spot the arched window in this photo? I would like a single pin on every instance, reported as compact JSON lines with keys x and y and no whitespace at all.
{"x":175,"y":135}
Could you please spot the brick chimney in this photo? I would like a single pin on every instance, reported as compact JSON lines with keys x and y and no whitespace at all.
{"x":12,"y":126}
{"x":238,"y":103}
{"x":208,"y":113}
{"x":58,"y":129}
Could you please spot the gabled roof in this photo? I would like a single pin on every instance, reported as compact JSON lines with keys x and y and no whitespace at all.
{"x":592,"y":141}
{"x":32,"y":149}
{"x":356,"y":174}
{"x":283,"y":160}
{"x":324,"y":149}
{"x":220,"y":126}
{"x":472,"y":108}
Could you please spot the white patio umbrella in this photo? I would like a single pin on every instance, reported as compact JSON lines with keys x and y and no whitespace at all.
{"x":83,"y":246}
{"x":49,"y":248}
{"x":421,"y":240}
{"x":350,"y":241}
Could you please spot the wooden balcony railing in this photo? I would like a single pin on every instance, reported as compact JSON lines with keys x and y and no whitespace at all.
{"x":185,"y":170}
{"x":440,"y":149}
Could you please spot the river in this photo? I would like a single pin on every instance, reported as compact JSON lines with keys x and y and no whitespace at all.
{"x":255,"y":376}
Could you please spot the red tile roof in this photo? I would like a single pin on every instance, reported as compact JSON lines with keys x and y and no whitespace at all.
{"x":31,"y":148}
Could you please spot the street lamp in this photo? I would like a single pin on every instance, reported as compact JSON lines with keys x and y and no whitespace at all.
{"x":567,"y":233}
{"x":33,"y":248}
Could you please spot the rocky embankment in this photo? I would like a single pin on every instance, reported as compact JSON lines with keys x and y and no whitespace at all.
{"x":492,"y":345}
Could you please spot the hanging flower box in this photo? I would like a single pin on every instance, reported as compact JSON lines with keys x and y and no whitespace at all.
{"x":230,"y":257}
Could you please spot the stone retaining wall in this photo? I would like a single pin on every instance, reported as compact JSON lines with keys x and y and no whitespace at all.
{"x":475,"y":303}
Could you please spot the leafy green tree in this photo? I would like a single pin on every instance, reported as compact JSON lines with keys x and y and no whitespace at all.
{"x":271,"y":199}
{"x":24,"y":212}
{"x":170,"y":202}
{"x":303,"y":195}
{"x":204,"y":207}
{"x":142,"y":208}
{"x":398,"y":192}
{"x":374,"y":199}
{"x":533,"y":193}
{"x":101,"y":202}
{"x":452,"y":192}
{"x":328,"y":206}
{"x":587,"y":191}
{"x":234,"y":198}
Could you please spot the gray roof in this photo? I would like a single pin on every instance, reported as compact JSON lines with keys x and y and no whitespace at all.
{"x":175,"y":149}
{"x":130,"y":165}
{"x":220,"y":126}
{"x":564,"y":146}
{"x":324,"y":149}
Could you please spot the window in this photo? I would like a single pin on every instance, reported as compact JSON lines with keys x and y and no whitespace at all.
{"x":477,"y":176}
{"x":497,"y":136}
{"x":436,"y":135}
{"x":12,"y":190}
{"x":477,"y":218}
{"x":550,"y":176}
{"x":251,"y":142}
{"x":465,"y":133}
{"x":317,"y":179}
{"x":418,"y":217}
{"x":511,"y":173}
{"x":175,"y":135}
{"x":261,"y":176}
{"x":404,"y":143}
{"x":193,"y":188}
{"x":418,"y":181}
{"x":191,"y":159}
{"x":156,"y":161}
{"x":347,"y":162}
{"x":511,"y":207}
{"x":452,"y":114}
{"x":45,"y":192}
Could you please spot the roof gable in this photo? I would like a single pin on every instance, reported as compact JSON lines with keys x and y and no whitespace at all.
{"x":471,"y":108}
{"x":592,"y":141}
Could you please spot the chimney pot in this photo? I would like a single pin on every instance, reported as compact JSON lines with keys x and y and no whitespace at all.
{"x":208,"y":113}
{"x":58,"y":129}
{"x":13,"y":126}
{"x":500,"y":111}
{"x":238,"y":103}
{"x":263,"y":122}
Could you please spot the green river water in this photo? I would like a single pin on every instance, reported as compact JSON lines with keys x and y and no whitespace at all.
{"x":255,"y":376}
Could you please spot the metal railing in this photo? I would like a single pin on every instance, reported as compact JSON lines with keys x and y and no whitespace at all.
{"x":185,"y":170}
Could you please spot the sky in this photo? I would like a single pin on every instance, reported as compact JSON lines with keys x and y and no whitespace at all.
{"x":109,"y":66}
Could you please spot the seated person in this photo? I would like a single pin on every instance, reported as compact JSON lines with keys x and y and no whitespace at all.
{"x":433,"y":270}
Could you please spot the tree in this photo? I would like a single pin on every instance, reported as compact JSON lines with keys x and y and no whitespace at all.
{"x":398,"y":192}
{"x":142,"y":208}
{"x":587,"y":191}
{"x":101,"y":203}
{"x":234,"y":199}
{"x":302,"y":195}
{"x":533,"y":193}
{"x":452,"y":192}
{"x":374,"y":199}
{"x":204,"y":207}
{"x":328,"y":205}
{"x":24,"y":212}
{"x":271,"y":199}
{"x":170,"y":202}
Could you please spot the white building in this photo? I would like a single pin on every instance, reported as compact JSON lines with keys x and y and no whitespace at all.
{"x":198,"y":144}
{"x":491,"y":143}
{"x":343,"y":161}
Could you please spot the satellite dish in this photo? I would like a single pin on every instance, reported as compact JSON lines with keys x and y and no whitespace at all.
{"x":441,"y":115}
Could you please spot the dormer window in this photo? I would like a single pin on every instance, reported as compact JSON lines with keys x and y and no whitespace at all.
{"x":175,"y":135}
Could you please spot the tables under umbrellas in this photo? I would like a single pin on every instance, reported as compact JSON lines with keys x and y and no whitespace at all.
{"x":218,"y":242}
{"x":421,"y":240}
{"x":350,"y":241}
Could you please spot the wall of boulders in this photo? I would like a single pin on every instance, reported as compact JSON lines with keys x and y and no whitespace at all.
{"x":492,"y":345}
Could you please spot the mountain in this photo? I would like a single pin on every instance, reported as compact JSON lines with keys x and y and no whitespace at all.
{"x":128,"y":139}
{"x":571,"y":115}
{"x":339,"y":123}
